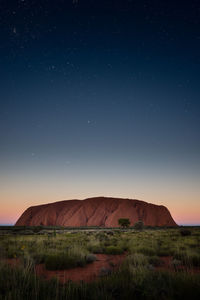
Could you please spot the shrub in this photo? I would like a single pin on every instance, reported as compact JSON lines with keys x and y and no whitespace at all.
{"x":146,"y":251}
{"x":139,"y":225}
{"x":164,"y":251}
{"x":63,"y":261}
{"x":124,"y":244}
{"x":111,"y":242}
{"x":110,"y":233}
{"x":176,"y":263}
{"x":135,"y":279}
{"x":179,"y":255}
{"x":155,"y":261}
{"x":194,"y":260}
{"x":90,"y":258}
{"x":124,"y":222}
{"x":37,"y":229}
{"x":96,"y":249}
{"x":122,"y":285}
{"x":113,"y":250}
{"x":188,"y":259}
{"x":185,"y":232}
{"x":137,"y":260}
{"x":102,"y":236}
{"x":38,"y":257}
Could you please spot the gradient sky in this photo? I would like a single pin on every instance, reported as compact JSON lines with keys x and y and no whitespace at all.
{"x":98,"y":98}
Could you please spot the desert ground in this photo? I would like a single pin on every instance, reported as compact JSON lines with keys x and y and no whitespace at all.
{"x":99,"y":263}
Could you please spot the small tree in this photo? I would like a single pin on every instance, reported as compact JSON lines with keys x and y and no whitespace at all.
{"x":124,"y":222}
{"x":139,"y":225}
{"x":185,"y":232}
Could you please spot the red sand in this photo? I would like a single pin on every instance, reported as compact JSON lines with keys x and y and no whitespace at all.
{"x":88,"y":273}
{"x":92,"y":271}
{"x":167,"y":265}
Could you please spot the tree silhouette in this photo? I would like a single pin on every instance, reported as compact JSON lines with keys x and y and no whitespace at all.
{"x":139,"y":225}
{"x":124,"y":222}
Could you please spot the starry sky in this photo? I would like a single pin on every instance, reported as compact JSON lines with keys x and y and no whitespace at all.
{"x":100,"y":97}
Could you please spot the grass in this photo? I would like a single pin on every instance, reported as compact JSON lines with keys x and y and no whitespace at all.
{"x":136,"y":278}
{"x":62,"y":261}
{"x":130,"y":282}
{"x":155,"y":261}
{"x":113,"y":250}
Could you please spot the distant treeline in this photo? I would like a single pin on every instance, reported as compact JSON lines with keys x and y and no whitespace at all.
{"x":40,"y":228}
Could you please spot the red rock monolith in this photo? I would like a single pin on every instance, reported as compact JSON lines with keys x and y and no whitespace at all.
{"x":98,"y":211}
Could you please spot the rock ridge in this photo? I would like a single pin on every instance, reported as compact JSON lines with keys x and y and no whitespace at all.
{"x":97,"y":211}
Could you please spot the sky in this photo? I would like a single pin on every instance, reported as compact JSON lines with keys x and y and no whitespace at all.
{"x":100,"y":98}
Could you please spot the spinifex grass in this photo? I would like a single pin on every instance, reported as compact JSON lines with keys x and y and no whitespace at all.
{"x":136,"y":278}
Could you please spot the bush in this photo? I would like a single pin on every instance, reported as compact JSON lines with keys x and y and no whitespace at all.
{"x":113,"y":250}
{"x":102,"y":236}
{"x":164,"y":251}
{"x":176,"y":263}
{"x":96,"y":249}
{"x":137,"y":260}
{"x":146,"y":251}
{"x":37,"y":229}
{"x":179,"y":255}
{"x":139,"y":225}
{"x":124,"y":222}
{"x":63,"y":261}
{"x":122,"y":285}
{"x":90,"y":258}
{"x":110,"y":233}
{"x":185,"y":232}
{"x":188,"y":259}
{"x":155,"y":261}
{"x":193,"y":260}
{"x":38,"y":258}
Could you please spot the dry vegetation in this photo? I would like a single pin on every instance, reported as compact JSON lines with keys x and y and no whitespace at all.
{"x":143,"y":274}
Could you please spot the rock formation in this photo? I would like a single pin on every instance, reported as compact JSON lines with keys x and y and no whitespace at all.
{"x":99,"y":211}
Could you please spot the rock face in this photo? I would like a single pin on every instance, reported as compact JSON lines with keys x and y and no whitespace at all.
{"x":99,"y":211}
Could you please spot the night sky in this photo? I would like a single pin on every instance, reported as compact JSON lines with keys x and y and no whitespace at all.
{"x":100,"y":98}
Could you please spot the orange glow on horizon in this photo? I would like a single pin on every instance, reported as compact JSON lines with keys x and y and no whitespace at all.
{"x":180,"y":196}
{"x":11,"y":212}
